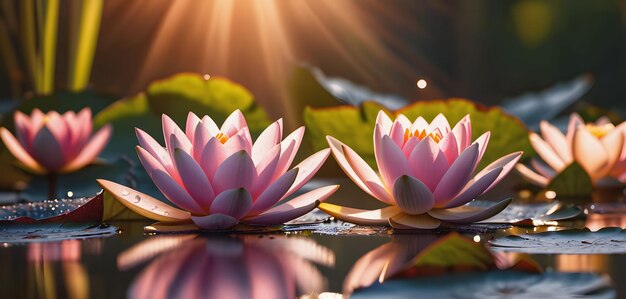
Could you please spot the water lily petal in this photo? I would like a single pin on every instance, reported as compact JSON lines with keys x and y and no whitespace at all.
{"x":47,"y":150}
{"x":232,"y":202}
{"x":150,"y":163}
{"x":210,"y":125}
{"x":590,"y":153}
{"x":412,"y":196}
{"x":294,"y":208}
{"x":194,"y":179}
{"x":469,"y":214}
{"x":546,"y":152}
{"x":268,"y":139}
{"x":367,"y":175}
{"x":428,"y":163}
{"x":23,"y":129}
{"x":532,"y":176}
{"x":265,"y":170}
{"x":337,"y":148}
{"x":383,"y":120}
{"x":574,"y":122}
{"x":507,"y":163}
{"x":215,"y":221}
{"x":307,"y":169}
{"x":406,"y":123}
{"x":439,"y":122}
{"x":174,"y":192}
{"x":557,"y":140}
{"x":90,"y":152}
{"x":274,"y":192}
{"x":482,"y":142}
{"x":613,"y":143}
{"x":397,"y":132}
{"x":19,"y":152}
{"x":233,"y":123}
{"x":542,"y":168}
{"x":214,"y":154}
{"x":475,"y":187}
{"x":449,"y":147}
{"x":201,"y":138}
{"x":463,"y":133}
{"x":144,"y":204}
{"x":359,"y":216}
{"x":190,"y":126}
{"x":406,"y":221}
{"x":456,"y":176}
{"x":289,"y":148}
{"x":409,"y":146}
{"x":154,"y":148}
{"x":237,"y":171}
{"x":171,"y":128}
{"x":420,"y":124}
{"x":392,"y":163}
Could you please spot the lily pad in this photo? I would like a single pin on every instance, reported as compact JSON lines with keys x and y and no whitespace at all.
{"x":495,"y":284}
{"x":52,"y":232}
{"x":455,"y":251}
{"x":533,"y":214}
{"x":354,"y":125}
{"x":610,"y":240}
{"x":573,"y":181}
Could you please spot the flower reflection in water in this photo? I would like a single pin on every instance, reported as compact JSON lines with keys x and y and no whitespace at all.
{"x":224,"y":267}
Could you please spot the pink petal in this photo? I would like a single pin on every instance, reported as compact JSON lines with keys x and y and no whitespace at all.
{"x":532,"y":176}
{"x":233,"y":123}
{"x":406,"y":123}
{"x":507,"y":163}
{"x":200,"y":140}
{"x":194,"y":179}
{"x":449,"y":147}
{"x":412,"y":196}
{"x":557,"y":141}
{"x":367,"y":175}
{"x":409,"y":146}
{"x":171,"y":128}
{"x":383,"y":120}
{"x":589,"y":153}
{"x":428,"y":163}
{"x":307,"y":169}
{"x":613,"y":143}
{"x":274,"y":192}
{"x":482,"y":142}
{"x":232,"y":202}
{"x":468,"y":214}
{"x":462,"y":133}
{"x":359,"y":216}
{"x":37,"y":120}
{"x":420,"y":124}
{"x":210,"y":125}
{"x":574,"y":121}
{"x":268,"y":139}
{"x":289,"y":148}
{"x":214,"y":154}
{"x":391,"y":162}
{"x":265,"y":170}
{"x":421,"y":221}
{"x":90,"y":152}
{"x":192,"y":123}
{"x":149,"y":162}
{"x":237,"y":171}
{"x":542,"y":168}
{"x":474,"y":188}
{"x":397,"y":133}
{"x":144,"y":204}
{"x":215,"y":221}
{"x":294,"y":208}
{"x":47,"y":150}
{"x":457,"y":175}
{"x":23,"y":129}
{"x":154,"y":148}
{"x":546,"y":153}
{"x":337,"y":148}
{"x":19,"y":152}
{"x":174,"y":192}
{"x":439,"y":122}
{"x":244,"y":133}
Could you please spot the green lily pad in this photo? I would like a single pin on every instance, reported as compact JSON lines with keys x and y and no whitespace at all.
{"x":354,"y":126}
{"x":609,"y":240}
{"x":454,"y":251}
{"x":573,"y":181}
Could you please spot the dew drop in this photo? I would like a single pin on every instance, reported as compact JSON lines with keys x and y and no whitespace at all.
{"x":154,"y":208}
{"x":166,"y":213}
{"x":125,"y":192}
{"x":137,"y":199}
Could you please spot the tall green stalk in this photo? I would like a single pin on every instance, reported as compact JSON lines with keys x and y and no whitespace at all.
{"x":48,"y":22}
{"x":86,"y":16}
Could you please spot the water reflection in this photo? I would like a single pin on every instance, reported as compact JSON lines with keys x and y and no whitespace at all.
{"x":228,"y":267}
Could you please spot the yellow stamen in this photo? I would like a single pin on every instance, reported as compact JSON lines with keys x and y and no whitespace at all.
{"x":221,"y":137}
{"x":599,"y":130}
{"x":436,"y":136}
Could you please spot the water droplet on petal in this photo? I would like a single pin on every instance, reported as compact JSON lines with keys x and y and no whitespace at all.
{"x":125,"y":193}
{"x":154,"y":208}
{"x":166,"y":213}
{"x":137,"y":199}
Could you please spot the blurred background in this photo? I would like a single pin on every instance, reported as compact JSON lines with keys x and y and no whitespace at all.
{"x":487,"y":51}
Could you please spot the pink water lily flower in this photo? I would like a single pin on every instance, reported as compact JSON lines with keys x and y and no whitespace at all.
{"x":218,"y":177}
{"x":599,"y":148}
{"x":53,"y":142}
{"x":425,"y":174}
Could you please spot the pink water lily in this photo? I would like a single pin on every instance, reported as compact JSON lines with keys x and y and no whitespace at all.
{"x":599,"y":148}
{"x":53,"y":142}
{"x":218,"y":177}
{"x":425,"y":174}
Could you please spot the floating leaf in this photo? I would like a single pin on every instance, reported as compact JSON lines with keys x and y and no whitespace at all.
{"x":573,"y":181}
{"x":610,"y":240}
{"x":354,"y":126}
{"x":54,"y":211}
{"x":454,"y":251}
{"x":531,"y":214}
{"x":53,"y":232}
{"x":495,"y":284}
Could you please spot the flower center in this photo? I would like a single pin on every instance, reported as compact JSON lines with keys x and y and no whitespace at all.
{"x":600,"y":130}
{"x":436,"y":136}
{"x":221,"y":137}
